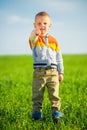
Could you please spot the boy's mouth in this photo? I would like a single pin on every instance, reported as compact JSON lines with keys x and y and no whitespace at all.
{"x":42,"y":29}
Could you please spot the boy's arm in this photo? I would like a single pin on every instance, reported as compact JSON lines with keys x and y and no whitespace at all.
{"x":32,"y":39}
{"x":60,"y":66}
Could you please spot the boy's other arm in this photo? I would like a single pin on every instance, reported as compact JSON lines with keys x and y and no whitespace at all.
{"x":32,"y":39}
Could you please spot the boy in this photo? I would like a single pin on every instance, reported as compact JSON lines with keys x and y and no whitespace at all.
{"x":48,"y":66}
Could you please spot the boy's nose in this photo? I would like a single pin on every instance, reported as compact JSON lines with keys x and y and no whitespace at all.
{"x":42,"y":27}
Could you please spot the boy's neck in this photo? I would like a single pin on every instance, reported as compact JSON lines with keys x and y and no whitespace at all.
{"x":44,"y":34}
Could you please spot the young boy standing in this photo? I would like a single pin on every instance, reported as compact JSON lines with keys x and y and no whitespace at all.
{"x":48,"y":66}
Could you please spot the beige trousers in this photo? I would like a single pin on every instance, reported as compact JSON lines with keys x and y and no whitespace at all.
{"x":45,"y":78}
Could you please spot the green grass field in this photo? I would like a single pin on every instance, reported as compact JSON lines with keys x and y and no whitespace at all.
{"x":15,"y":95}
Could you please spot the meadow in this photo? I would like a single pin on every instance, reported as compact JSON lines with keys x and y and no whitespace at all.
{"x":16,"y":92}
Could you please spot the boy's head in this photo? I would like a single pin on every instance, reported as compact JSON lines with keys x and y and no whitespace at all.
{"x":42,"y":22}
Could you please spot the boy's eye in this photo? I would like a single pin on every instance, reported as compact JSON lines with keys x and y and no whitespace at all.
{"x":39,"y":23}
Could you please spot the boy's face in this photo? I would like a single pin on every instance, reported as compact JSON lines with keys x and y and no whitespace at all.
{"x":42,"y":24}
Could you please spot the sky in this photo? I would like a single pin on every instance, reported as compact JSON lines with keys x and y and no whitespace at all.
{"x":68,"y":18}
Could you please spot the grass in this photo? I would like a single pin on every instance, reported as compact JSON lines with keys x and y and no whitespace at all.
{"x":15,"y":95}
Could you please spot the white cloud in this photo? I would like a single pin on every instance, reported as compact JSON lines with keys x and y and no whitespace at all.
{"x":18,"y":19}
{"x":66,"y":6}
{"x":61,"y":5}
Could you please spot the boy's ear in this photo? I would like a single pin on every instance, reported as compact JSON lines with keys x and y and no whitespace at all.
{"x":34,"y":25}
{"x":50,"y":25}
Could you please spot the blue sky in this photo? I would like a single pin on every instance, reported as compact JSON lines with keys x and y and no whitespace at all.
{"x":68,"y":17}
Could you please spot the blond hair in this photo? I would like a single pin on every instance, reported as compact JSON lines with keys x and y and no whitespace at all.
{"x":43,"y":13}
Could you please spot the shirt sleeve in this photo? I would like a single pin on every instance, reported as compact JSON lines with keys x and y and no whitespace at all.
{"x":60,"y":66}
{"x":32,"y":39}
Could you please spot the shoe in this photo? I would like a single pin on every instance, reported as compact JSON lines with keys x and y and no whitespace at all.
{"x":56,"y":116}
{"x":37,"y":116}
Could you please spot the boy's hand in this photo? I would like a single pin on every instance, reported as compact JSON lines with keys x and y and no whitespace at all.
{"x":37,"y":31}
{"x":60,"y":78}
